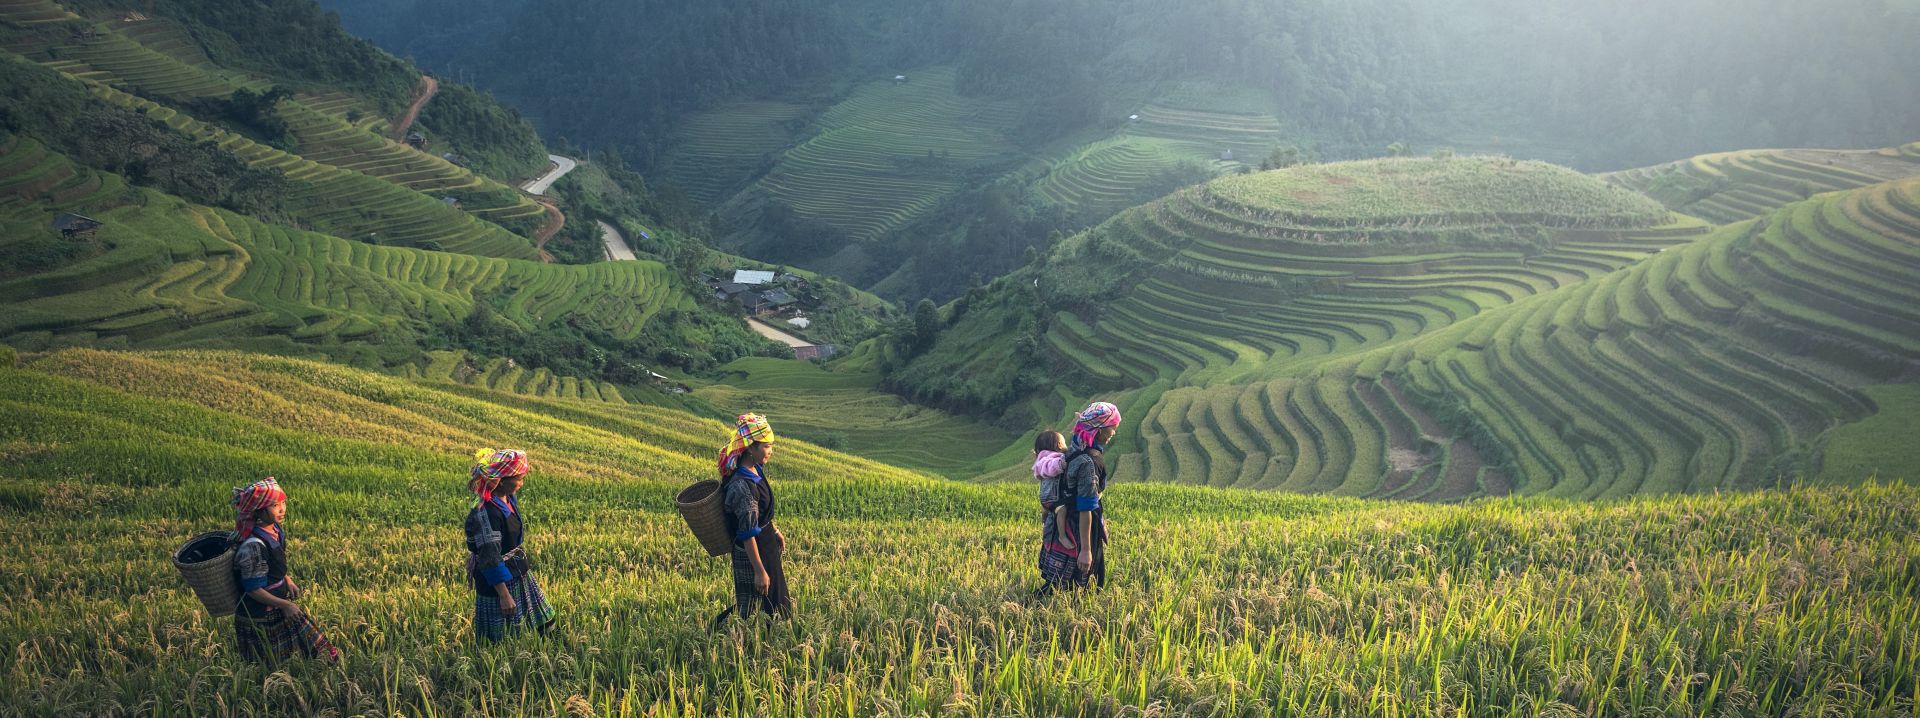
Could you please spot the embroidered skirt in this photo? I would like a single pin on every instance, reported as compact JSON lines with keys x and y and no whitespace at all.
{"x":1059,"y":565}
{"x":748,"y":601}
{"x":530,"y":610}
{"x":277,"y":637}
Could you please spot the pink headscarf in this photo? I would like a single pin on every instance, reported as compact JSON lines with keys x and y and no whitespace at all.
{"x":1049,"y":465}
{"x":1098,"y":415}
{"x":253,"y":497}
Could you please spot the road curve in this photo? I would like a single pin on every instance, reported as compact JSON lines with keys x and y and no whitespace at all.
{"x":617,"y":249}
{"x":561,"y":166}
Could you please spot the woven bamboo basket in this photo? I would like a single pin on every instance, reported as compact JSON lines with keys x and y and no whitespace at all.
{"x":206,"y":562}
{"x":700,"y":505}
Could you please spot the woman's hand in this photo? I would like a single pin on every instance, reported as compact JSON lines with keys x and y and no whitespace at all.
{"x":507,"y":606}
{"x":1086,"y":560}
{"x":761,"y":582}
{"x":292,"y":610}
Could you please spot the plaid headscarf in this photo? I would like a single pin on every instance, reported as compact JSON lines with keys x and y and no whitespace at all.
{"x":253,"y":497}
{"x":1098,"y":415}
{"x":490,"y":466}
{"x":748,"y":429}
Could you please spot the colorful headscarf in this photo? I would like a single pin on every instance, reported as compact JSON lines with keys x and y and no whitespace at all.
{"x":1098,"y":415}
{"x":253,"y":497}
{"x":490,"y":466}
{"x":748,"y":429}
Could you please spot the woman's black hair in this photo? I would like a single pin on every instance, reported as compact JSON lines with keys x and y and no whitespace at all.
{"x":1049,"y":440}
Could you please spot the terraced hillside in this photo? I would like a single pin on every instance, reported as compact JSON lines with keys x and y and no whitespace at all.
{"x":888,"y":153}
{"x":846,"y":410}
{"x":717,"y":152}
{"x":1232,"y":603}
{"x":171,"y":274}
{"x":1735,"y":186}
{"x":1193,"y":129}
{"x":1249,"y":276}
{"x":503,"y":375}
{"x":351,"y":182}
{"x":1717,"y":364}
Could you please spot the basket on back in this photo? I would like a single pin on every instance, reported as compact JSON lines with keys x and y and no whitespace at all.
{"x":700,"y":505}
{"x":206,"y":562}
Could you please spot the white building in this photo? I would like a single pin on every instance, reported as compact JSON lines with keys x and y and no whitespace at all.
{"x":752,"y":278}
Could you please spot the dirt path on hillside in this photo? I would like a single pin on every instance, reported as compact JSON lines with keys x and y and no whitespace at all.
{"x":428,"y":88}
{"x":767,"y":330}
{"x":555,"y":220}
{"x":538,"y":187}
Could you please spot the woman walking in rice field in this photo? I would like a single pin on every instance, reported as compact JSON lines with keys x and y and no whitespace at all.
{"x":269,"y":627}
{"x":759,"y":583}
{"x":1085,"y":527}
{"x":507,"y":598}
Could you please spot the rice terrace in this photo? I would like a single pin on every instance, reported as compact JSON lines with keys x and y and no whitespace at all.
{"x":1136,"y":359}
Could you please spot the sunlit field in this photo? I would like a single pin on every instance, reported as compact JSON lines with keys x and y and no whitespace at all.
{"x":914,"y":594}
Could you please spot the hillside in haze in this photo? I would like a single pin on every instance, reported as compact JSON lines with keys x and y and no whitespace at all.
{"x":1019,"y":118}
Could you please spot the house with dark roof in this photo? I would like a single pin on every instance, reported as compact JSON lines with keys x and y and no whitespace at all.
{"x":752,"y":302}
{"x":777,"y":298}
{"x":74,"y":225}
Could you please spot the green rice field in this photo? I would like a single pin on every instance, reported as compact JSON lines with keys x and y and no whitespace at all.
{"x":912,"y":592}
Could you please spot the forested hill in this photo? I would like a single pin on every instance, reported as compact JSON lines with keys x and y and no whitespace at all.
{"x":249,"y":176}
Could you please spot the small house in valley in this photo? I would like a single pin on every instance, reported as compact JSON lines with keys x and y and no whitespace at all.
{"x":74,"y":226}
{"x":777,"y":298}
{"x":752,"y":278}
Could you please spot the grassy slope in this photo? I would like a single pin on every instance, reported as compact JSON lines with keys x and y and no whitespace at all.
{"x":1880,"y":445}
{"x":909,"y":589}
{"x":846,"y":407}
{"x":884,"y":155}
{"x":1730,"y":187}
{"x":176,"y":274}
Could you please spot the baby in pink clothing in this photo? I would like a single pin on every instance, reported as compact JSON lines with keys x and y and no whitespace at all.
{"x":1049,"y":464}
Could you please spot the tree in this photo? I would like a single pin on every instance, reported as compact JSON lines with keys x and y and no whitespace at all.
{"x":926,"y":324}
{"x":1399,"y":149}
{"x":1281,"y":157}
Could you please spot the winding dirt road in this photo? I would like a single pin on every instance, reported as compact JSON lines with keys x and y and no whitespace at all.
{"x":538,"y":187}
{"x":428,"y":88}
